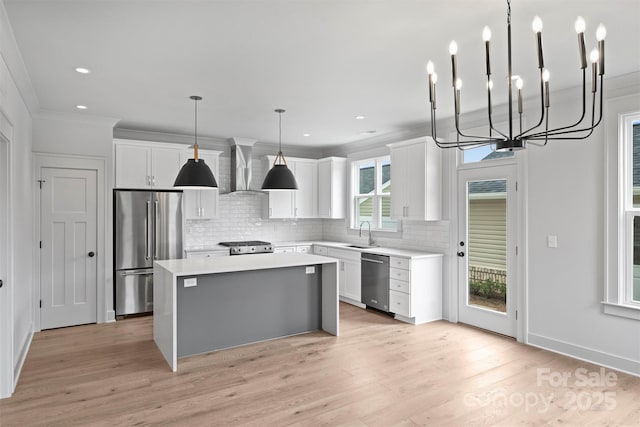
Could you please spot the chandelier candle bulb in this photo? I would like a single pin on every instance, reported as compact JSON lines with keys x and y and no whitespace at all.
{"x":594,"y":70}
{"x":519,"y":84}
{"x":601,"y":33}
{"x":453,"y":49}
{"x":545,"y":79}
{"x":486,"y":36}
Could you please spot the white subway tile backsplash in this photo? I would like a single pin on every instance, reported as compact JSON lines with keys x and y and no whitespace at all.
{"x":240,"y":219}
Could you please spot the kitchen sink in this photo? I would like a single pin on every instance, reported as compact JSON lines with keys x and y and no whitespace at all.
{"x":359,"y":247}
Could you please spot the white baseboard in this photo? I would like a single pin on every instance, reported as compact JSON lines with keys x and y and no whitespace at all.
{"x":24,"y":349}
{"x":622,"y":364}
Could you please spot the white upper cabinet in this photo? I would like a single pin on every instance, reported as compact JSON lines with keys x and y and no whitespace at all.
{"x":146,"y":164}
{"x":332,"y":186}
{"x":416,"y":180}
{"x":202,"y":204}
{"x":305,"y":199}
{"x":300,"y":203}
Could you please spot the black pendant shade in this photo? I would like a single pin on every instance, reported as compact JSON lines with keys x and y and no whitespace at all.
{"x":195,"y":174}
{"x":280,"y":176}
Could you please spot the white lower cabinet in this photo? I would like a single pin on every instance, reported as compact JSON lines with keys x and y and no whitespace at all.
{"x":284,"y":249}
{"x":206,"y":254}
{"x":415,"y":288}
{"x":349,"y":274}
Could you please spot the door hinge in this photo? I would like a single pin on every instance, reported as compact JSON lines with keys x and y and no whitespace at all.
{"x":516,"y":185}
{"x":40,"y":244}
{"x":40,"y":303}
{"x":516,"y":251}
{"x":516,"y":314}
{"x":40,"y":182}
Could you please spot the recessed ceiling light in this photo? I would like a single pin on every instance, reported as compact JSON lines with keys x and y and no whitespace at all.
{"x":306,"y":134}
{"x":83,"y":70}
{"x":359,"y":117}
{"x":81,"y":107}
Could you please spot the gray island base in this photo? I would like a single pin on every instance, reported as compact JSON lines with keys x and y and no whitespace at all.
{"x":202,"y":305}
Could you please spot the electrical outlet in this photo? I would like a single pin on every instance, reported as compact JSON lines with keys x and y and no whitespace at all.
{"x":190,"y":282}
{"x":552,"y":241}
{"x":310,"y":269}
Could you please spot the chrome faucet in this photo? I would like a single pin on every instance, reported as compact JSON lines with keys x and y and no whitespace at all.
{"x":371,"y":242}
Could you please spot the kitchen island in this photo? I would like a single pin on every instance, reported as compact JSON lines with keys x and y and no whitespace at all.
{"x":202,"y":305}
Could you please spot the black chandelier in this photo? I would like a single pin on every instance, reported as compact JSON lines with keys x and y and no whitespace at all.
{"x":517,"y":140}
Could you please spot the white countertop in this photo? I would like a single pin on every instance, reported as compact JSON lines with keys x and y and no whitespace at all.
{"x":405,"y":253}
{"x":192,"y":267}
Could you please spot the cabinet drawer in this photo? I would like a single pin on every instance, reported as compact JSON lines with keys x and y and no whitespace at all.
{"x":400,"y":286}
{"x":402,"y":263}
{"x":284,"y":249}
{"x":320,"y":250}
{"x":303,"y":249}
{"x":400,"y":303}
{"x":398,"y":274}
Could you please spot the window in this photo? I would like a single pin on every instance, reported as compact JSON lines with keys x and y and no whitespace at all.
{"x":631,"y":207}
{"x":622,"y":222}
{"x":372,"y":193}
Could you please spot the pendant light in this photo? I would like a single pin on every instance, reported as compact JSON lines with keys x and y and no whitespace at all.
{"x":279,"y":177}
{"x":195,"y":174}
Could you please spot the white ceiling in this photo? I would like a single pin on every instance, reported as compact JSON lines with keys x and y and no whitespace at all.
{"x":323,"y":61}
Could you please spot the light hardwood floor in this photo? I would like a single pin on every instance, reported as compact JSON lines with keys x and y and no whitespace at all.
{"x":379,"y":372}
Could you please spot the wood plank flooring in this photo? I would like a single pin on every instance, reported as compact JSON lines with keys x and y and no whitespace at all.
{"x":379,"y":372}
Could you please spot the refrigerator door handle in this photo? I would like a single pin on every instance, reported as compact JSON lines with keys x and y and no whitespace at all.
{"x":136,"y":273}
{"x":155,"y":221}
{"x":147,"y":233}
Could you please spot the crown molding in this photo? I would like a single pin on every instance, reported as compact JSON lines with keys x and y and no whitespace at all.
{"x":76,"y":117}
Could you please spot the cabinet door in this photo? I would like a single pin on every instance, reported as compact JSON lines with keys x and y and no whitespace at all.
{"x":280,"y":204}
{"x":415,"y":194}
{"x":208,"y":203}
{"x":165,"y":165}
{"x":191,"y":204}
{"x":352,"y":280}
{"x":399,"y":182}
{"x":306,"y":202}
{"x":324,"y":189}
{"x":342,"y":279}
{"x":133,"y":166}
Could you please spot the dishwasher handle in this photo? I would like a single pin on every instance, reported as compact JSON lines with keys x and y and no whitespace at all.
{"x":372,"y":260}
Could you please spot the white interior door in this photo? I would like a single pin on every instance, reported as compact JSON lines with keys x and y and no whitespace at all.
{"x":487,"y":248}
{"x":68,"y":267}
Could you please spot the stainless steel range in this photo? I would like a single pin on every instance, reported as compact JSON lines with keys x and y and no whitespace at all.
{"x":248,"y":247}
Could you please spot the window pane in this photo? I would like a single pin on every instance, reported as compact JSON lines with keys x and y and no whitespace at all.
{"x":385,"y":207}
{"x":635,"y":295}
{"x":367,"y":178}
{"x":636,"y":165}
{"x":481,"y":154}
{"x":385,"y":181}
{"x":364,"y":210}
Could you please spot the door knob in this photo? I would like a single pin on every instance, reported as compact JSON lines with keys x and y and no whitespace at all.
{"x":460,"y":254}
{"x":91,"y":254}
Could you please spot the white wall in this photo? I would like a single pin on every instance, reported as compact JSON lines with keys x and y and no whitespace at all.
{"x":18,"y":125}
{"x":566,"y":284}
{"x":87,"y":136}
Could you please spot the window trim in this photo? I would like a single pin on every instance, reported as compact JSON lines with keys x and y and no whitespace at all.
{"x":354,"y":193}
{"x":622,"y":113}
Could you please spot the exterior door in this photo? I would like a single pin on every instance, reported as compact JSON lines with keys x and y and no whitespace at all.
{"x":487,"y":248}
{"x":68,"y":216}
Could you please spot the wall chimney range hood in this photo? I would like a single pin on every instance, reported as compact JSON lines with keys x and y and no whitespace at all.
{"x":241,"y":164}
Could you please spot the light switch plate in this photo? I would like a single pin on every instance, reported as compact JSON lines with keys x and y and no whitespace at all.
{"x":552,"y":241}
{"x":190,"y":282}
{"x":310,"y":269}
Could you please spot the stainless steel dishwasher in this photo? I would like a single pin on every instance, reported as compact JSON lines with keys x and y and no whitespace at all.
{"x":375,"y":280}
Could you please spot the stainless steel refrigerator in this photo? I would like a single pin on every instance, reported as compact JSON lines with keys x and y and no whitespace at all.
{"x":147,"y":227}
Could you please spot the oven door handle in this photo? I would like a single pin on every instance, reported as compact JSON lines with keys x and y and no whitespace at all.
{"x":372,"y":260}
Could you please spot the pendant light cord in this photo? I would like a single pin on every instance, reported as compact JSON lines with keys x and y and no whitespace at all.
{"x":195,"y":146}
{"x":280,"y":156}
